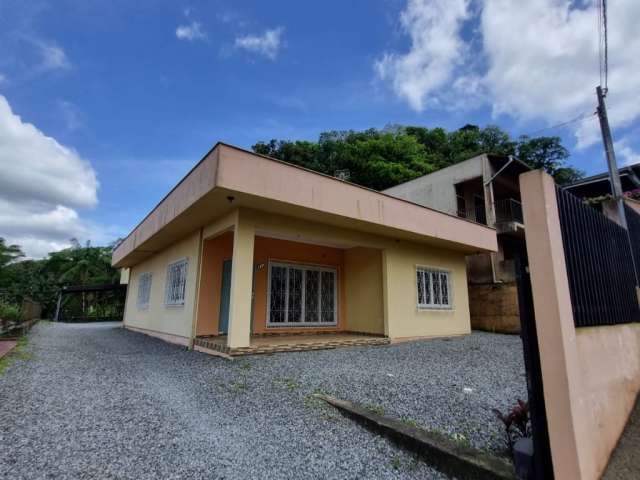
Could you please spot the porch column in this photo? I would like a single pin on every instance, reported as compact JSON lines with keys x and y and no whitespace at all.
{"x":241,"y":283}
{"x":386,"y":292}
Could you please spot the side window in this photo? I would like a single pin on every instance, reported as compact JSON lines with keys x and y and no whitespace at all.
{"x":176,"y":283}
{"x":144,"y":291}
{"x":434,"y":288}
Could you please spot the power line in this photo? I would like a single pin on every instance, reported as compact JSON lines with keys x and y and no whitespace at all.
{"x":580,"y":118}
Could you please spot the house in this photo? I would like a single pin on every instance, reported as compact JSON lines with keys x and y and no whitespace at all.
{"x":483,"y":189}
{"x":598,"y":185}
{"x":248,"y":254}
{"x":596,"y":189}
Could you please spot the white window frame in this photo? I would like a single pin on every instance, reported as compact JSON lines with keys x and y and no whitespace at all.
{"x":144,"y":290}
{"x":177,"y":302}
{"x":304,"y":268}
{"x":427,"y":270}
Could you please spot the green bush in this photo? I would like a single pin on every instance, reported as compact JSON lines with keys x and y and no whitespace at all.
{"x":10,"y":313}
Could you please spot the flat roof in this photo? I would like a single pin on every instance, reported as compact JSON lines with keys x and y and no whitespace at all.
{"x":265,"y":183}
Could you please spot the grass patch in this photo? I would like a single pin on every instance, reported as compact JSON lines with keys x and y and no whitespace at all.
{"x":377,"y":409}
{"x":396,"y":462}
{"x":410,"y":422}
{"x":239,"y":387}
{"x":18,"y":353}
{"x":289,"y":383}
{"x":244,"y":365}
{"x":312,"y":401}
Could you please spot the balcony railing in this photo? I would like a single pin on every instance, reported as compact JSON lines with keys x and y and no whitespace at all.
{"x":508,"y":210}
{"x":475,"y":214}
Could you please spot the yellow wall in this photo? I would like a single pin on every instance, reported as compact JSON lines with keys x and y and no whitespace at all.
{"x":173,"y":320}
{"x":363,"y":278}
{"x":366,"y":264}
{"x":403,"y":317}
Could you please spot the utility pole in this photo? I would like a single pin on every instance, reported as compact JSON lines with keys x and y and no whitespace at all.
{"x":614,"y":176}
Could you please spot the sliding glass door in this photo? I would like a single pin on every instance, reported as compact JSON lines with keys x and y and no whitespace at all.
{"x":301,"y":295}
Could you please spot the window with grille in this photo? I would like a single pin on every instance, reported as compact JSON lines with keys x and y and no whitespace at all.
{"x":176,"y":283}
{"x":434,"y":288}
{"x":301,"y":295}
{"x":144,"y":290}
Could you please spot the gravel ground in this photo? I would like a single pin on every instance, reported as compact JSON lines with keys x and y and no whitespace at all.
{"x":624,"y":460}
{"x":97,"y":401}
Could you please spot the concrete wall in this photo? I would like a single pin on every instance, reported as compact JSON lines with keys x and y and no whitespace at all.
{"x":365,"y":308}
{"x":609,"y":368}
{"x":402,"y":316}
{"x":437,"y":190}
{"x":591,"y":375}
{"x":171,"y":320}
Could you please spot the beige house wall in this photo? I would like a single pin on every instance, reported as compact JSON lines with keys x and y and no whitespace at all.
{"x":402,"y":316}
{"x":157,"y":317}
{"x":377,"y":279}
{"x":363,"y":279}
{"x":591,"y":375}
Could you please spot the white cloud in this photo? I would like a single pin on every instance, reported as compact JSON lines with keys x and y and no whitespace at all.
{"x":53,"y":57}
{"x":540,"y":59}
{"x":190,"y":32}
{"x":42,"y":183}
{"x":436,"y":49}
{"x":71,"y":115}
{"x":625,"y":153}
{"x":3,"y":79}
{"x":267,"y":44}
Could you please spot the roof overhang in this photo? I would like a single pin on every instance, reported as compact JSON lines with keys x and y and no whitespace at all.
{"x":228,"y":178}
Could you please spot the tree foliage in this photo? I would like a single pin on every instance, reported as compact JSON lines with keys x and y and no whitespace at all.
{"x":380,"y":159}
{"x":41,"y":280}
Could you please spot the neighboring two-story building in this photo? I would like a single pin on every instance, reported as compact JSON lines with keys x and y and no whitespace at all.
{"x":484,"y":189}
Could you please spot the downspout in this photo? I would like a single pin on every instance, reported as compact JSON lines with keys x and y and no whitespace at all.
{"x":194,"y":320}
{"x":490,"y":203}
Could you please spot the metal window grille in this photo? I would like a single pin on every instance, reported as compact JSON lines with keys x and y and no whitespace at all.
{"x":144,"y":290}
{"x":176,"y":283}
{"x":434,"y":288}
{"x":301,"y":295}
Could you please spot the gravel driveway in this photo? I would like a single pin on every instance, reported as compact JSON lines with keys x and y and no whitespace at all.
{"x":97,"y":401}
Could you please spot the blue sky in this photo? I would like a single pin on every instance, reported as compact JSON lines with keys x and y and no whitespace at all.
{"x":137,"y":92}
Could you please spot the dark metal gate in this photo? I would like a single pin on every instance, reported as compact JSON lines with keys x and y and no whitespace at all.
{"x":542,"y":450}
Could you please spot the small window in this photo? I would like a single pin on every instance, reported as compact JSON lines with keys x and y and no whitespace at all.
{"x":176,"y":283}
{"x":144,"y":290}
{"x":434,"y":288}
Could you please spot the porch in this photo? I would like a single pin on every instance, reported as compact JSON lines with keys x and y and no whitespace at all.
{"x":264,"y":288}
{"x":291,"y":342}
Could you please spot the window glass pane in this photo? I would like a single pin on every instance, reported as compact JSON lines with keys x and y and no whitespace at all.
{"x":278,"y":294}
{"x":311,"y":295}
{"x":435,"y":279}
{"x":295,"y":295}
{"x":420,"y":285}
{"x":444,"y":288}
{"x":427,"y":288}
{"x":176,"y":283}
{"x":327,"y":297}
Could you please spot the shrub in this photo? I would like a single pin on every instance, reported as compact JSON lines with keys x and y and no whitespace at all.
{"x":10,"y":312}
{"x":517,"y":423}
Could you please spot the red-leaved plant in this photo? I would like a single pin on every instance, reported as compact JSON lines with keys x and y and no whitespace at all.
{"x":517,"y":423}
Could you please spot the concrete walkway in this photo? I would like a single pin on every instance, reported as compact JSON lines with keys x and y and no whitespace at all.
{"x":624,"y":463}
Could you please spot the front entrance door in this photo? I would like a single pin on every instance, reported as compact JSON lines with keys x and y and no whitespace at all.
{"x":225,"y":295}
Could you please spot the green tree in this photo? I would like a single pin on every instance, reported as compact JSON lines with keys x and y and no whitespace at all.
{"x":380,"y":159}
{"x":9,"y":253}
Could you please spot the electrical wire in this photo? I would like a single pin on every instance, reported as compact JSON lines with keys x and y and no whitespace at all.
{"x":579,"y":118}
